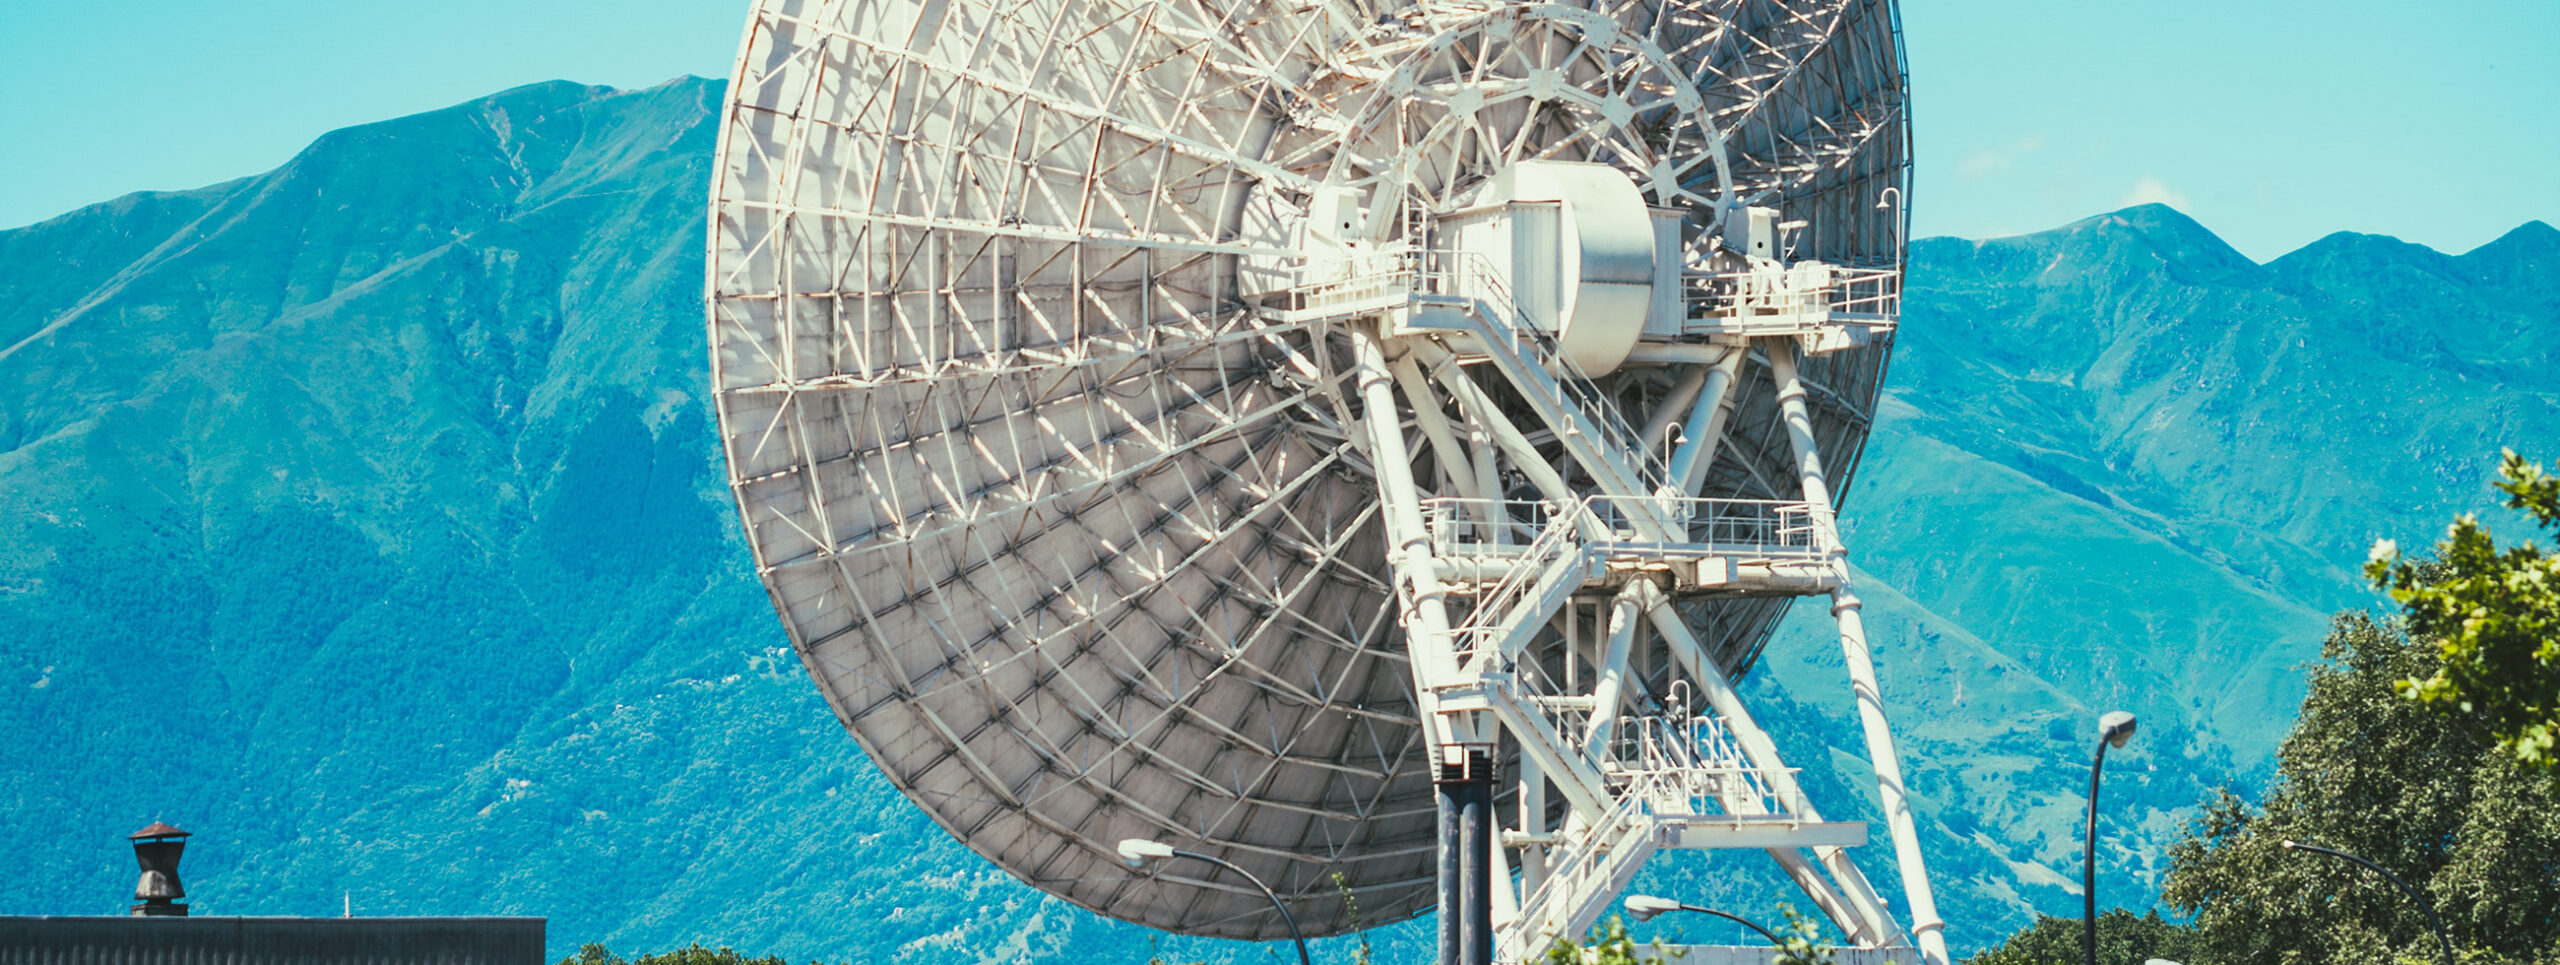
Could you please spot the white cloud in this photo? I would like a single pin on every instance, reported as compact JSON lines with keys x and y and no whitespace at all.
{"x":1998,"y":158}
{"x":2149,"y":189}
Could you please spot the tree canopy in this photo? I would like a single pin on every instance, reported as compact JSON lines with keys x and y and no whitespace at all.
{"x":594,"y":953}
{"x":2123,"y":939}
{"x":2440,"y":801}
{"x":2495,"y":615}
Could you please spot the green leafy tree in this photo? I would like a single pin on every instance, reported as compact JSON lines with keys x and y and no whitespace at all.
{"x":2494,"y":613}
{"x":2437,"y":801}
{"x":1351,"y":916}
{"x":593,"y":953}
{"x":2123,"y":939}
{"x":1155,"y":952}
{"x":596,"y":954}
{"x":1801,"y":942}
{"x":1608,"y":944}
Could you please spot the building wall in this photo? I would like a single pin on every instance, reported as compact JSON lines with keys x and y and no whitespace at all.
{"x":270,"y":941}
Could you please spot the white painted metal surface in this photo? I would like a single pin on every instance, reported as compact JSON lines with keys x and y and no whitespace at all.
{"x":1136,"y":442}
{"x":1578,"y":240}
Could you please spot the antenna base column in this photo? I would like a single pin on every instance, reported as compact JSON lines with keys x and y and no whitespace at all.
{"x":1463,"y":784}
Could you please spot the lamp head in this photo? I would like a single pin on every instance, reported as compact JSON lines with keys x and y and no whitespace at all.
{"x":1137,"y":851}
{"x":2116,"y":728}
{"x":1644,"y":907}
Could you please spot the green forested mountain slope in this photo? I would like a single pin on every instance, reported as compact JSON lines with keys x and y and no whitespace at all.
{"x":2120,"y":466}
{"x":364,"y":517}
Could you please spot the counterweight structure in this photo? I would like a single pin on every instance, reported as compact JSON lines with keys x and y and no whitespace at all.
{"x":1349,"y":439}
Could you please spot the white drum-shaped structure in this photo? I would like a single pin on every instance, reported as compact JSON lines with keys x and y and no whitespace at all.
{"x":1579,"y":243}
{"x":1075,"y":523}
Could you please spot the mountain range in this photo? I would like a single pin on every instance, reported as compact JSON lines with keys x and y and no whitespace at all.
{"x":364,"y":517}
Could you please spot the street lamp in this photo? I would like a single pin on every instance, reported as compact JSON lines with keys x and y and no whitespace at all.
{"x":1644,"y":907}
{"x":2114,"y":729}
{"x":2446,"y":944}
{"x":1136,"y":852}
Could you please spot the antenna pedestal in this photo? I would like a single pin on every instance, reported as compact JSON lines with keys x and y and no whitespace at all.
{"x":1464,"y":786}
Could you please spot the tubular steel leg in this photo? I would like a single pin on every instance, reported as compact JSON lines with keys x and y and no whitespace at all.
{"x":1450,"y":798}
{"x":1476,"y":829}
{"x":1854,"y":905}
{"x":1420,"y":597}
{"x":1706,"y":425}
{"x":1426,"y":621}
{"x":1926,"y":928}
{"x":1468,"y":829}
{"x":1675,"y":402}
{"x":1533,"y":819}
{"x":1626,"y":613}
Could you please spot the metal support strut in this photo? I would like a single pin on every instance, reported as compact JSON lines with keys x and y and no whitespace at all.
{"x":1468,"y":825}
{"x":1492,"y":592}
{"x":1926,"y":927}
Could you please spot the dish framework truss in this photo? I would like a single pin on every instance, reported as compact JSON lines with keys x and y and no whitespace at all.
{"x":1135,"y":442}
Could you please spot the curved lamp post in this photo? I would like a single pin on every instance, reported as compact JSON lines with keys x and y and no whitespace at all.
{"x":1136,"y":852}
{"x":2114,"y":729}
{"x":2445,"y":944}
{"x":1644,"y":907}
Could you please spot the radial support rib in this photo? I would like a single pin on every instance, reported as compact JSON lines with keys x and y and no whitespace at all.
{"x":1925,"y":925}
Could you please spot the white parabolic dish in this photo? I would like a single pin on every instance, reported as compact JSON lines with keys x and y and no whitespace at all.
{"x":1077,"y":537}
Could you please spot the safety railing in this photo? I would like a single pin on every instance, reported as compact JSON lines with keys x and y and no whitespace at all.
{"x":1368,"y":281}
{"x":1809,"y":288}
{"x":1752,"y":528}
{"x":1547,"y":541}
{"x":1689,"y":764}
{"x":1359,"y":282}
{"x":1584,"y":867}
{"x":1745,"y":528}
{"x":1462,"y":527}
{"x":1672,"y":764}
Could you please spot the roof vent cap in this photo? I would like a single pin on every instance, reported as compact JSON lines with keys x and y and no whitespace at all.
{"x":157,"y":848}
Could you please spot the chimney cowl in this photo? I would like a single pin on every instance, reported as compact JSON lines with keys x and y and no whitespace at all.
{"x":157,"y":849}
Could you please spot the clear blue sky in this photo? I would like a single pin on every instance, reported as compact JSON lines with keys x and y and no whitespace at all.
{"x":2272,"y":121}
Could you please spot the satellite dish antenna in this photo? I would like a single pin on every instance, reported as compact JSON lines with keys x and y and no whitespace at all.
{"x":1344,"y":438}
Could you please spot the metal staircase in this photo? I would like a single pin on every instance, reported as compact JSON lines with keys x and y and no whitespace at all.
{"x":1640,"y":772}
